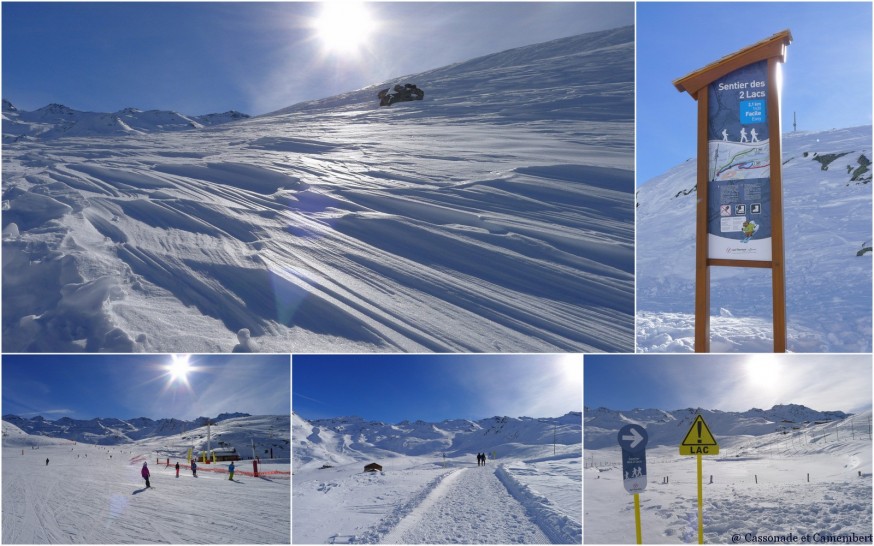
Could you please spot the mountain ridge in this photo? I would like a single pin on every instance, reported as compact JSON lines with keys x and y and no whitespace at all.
{"x":111,"y":430}
{"x":347,"y":439}
{"x":57,"y":120}
{"x":668,"y":427}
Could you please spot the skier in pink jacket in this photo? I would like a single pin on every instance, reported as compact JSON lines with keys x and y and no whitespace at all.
{"x":145,"y":474}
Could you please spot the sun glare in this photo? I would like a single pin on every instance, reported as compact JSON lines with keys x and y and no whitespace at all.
{"x":344,"y":27}
{"x":572,"y":369}
{"x":764,"y":372}
{"x":179,"y":368}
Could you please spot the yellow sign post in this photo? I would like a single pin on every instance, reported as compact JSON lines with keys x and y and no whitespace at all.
{"x":699,"y":441}
{"x":637,"y":518}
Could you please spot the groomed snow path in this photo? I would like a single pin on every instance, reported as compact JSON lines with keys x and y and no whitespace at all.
{"x":470,"y":506}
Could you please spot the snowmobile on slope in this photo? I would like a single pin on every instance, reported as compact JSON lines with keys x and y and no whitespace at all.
{"x":402,"y":93}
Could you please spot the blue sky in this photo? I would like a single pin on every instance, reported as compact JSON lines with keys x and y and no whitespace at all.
{"x":393,"y":388}
{"x":255,"y":57}
{"x":827,"y":75}
{"x":128,"y":386}
{"x":728,"y":382}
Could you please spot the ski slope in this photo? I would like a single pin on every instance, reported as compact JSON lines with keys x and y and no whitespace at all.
{"x":827,"y":221}
{"x":496,"y":215}
{"x":760,"y":488}
{"x":84,"y":496}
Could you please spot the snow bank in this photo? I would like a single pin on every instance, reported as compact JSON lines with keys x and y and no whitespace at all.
{"x":559,"y":527}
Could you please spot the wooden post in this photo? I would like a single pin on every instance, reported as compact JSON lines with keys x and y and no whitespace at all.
{"x":778,"y":273}
{"x":702,"y":269}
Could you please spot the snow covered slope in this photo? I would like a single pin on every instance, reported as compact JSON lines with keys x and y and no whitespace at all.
{"x":95,"y":495}
{"x":827,"y":220}
{"x":495,"y":215}
{"x":814,"y":481}
{"x":430,"y":489}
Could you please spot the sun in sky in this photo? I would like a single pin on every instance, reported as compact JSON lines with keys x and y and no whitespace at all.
{"x":344,"y":27}
{"x":571,"y":367}
{"x":178,"y":369}
{"x":764,"y":372}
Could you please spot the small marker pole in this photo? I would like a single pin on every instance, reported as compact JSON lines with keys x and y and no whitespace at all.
{"x":700,"y":504}
{"x":637,"y":518}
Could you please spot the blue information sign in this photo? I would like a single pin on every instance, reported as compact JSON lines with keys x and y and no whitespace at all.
{"x":739,"y":173}
{"x":632,"y":440}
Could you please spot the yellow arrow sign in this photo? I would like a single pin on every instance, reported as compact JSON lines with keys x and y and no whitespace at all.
{"x":699,"y":440}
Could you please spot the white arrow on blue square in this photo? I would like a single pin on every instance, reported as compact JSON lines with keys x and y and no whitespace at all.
{"x":633,"y":438}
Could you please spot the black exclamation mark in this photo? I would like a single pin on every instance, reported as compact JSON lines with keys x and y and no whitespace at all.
{"x":699,"y":432}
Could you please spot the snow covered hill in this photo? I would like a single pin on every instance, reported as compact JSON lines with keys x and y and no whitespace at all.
{"x":171,"y":437}
{"x":669,"y":427}
{"x":58,"y":491}
{"x":495,"y":215}
{"x":57,"y":121}
{"x":828,"y":239}
{"x":430,"y":489}
{"x":809,"y":479}
{"x":349,"y":439}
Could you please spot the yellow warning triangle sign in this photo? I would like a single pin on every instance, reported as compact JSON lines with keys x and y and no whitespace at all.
{"x":699,"y":434}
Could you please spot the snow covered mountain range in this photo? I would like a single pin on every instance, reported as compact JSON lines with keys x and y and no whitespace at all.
{"x":57,"y":120}
{"x":347,"y":439}
{"x":670,"y":427}
{"x":827,"y":221}
{"x":231,"y":429}
{"x":495,"y":215}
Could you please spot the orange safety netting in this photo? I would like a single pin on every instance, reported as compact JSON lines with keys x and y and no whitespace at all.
{"x":223,"y":470}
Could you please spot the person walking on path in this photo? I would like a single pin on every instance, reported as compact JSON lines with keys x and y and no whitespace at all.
{"x":145,"y":474}
{"x":231,"y":470}
{"x":177,"y":469}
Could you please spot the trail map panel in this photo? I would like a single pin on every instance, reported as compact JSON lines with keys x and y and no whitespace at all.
{"x":739,"y":168}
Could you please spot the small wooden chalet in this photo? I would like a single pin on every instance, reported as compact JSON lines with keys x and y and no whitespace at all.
{"x":373,"y":467}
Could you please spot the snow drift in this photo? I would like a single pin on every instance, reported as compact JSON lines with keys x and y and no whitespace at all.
{"x":495,"y":215}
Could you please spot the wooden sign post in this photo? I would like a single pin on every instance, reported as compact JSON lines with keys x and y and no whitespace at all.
{"x":740,"y":175}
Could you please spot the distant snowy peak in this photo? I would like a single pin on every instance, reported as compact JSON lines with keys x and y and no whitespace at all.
{"x":111,"y":430}
{"x":602,"y":424}
{"x":217,"y":119}
{"x":56,"y":121}
{"x":339,"y":438}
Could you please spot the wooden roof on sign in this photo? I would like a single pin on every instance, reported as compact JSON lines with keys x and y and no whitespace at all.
{"x":775,"y":46}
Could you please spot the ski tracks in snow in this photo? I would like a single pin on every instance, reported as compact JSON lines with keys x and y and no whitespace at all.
{"x":469,"y":506}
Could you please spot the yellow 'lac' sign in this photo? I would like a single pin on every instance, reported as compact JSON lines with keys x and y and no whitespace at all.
{"x":699,"y":440}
